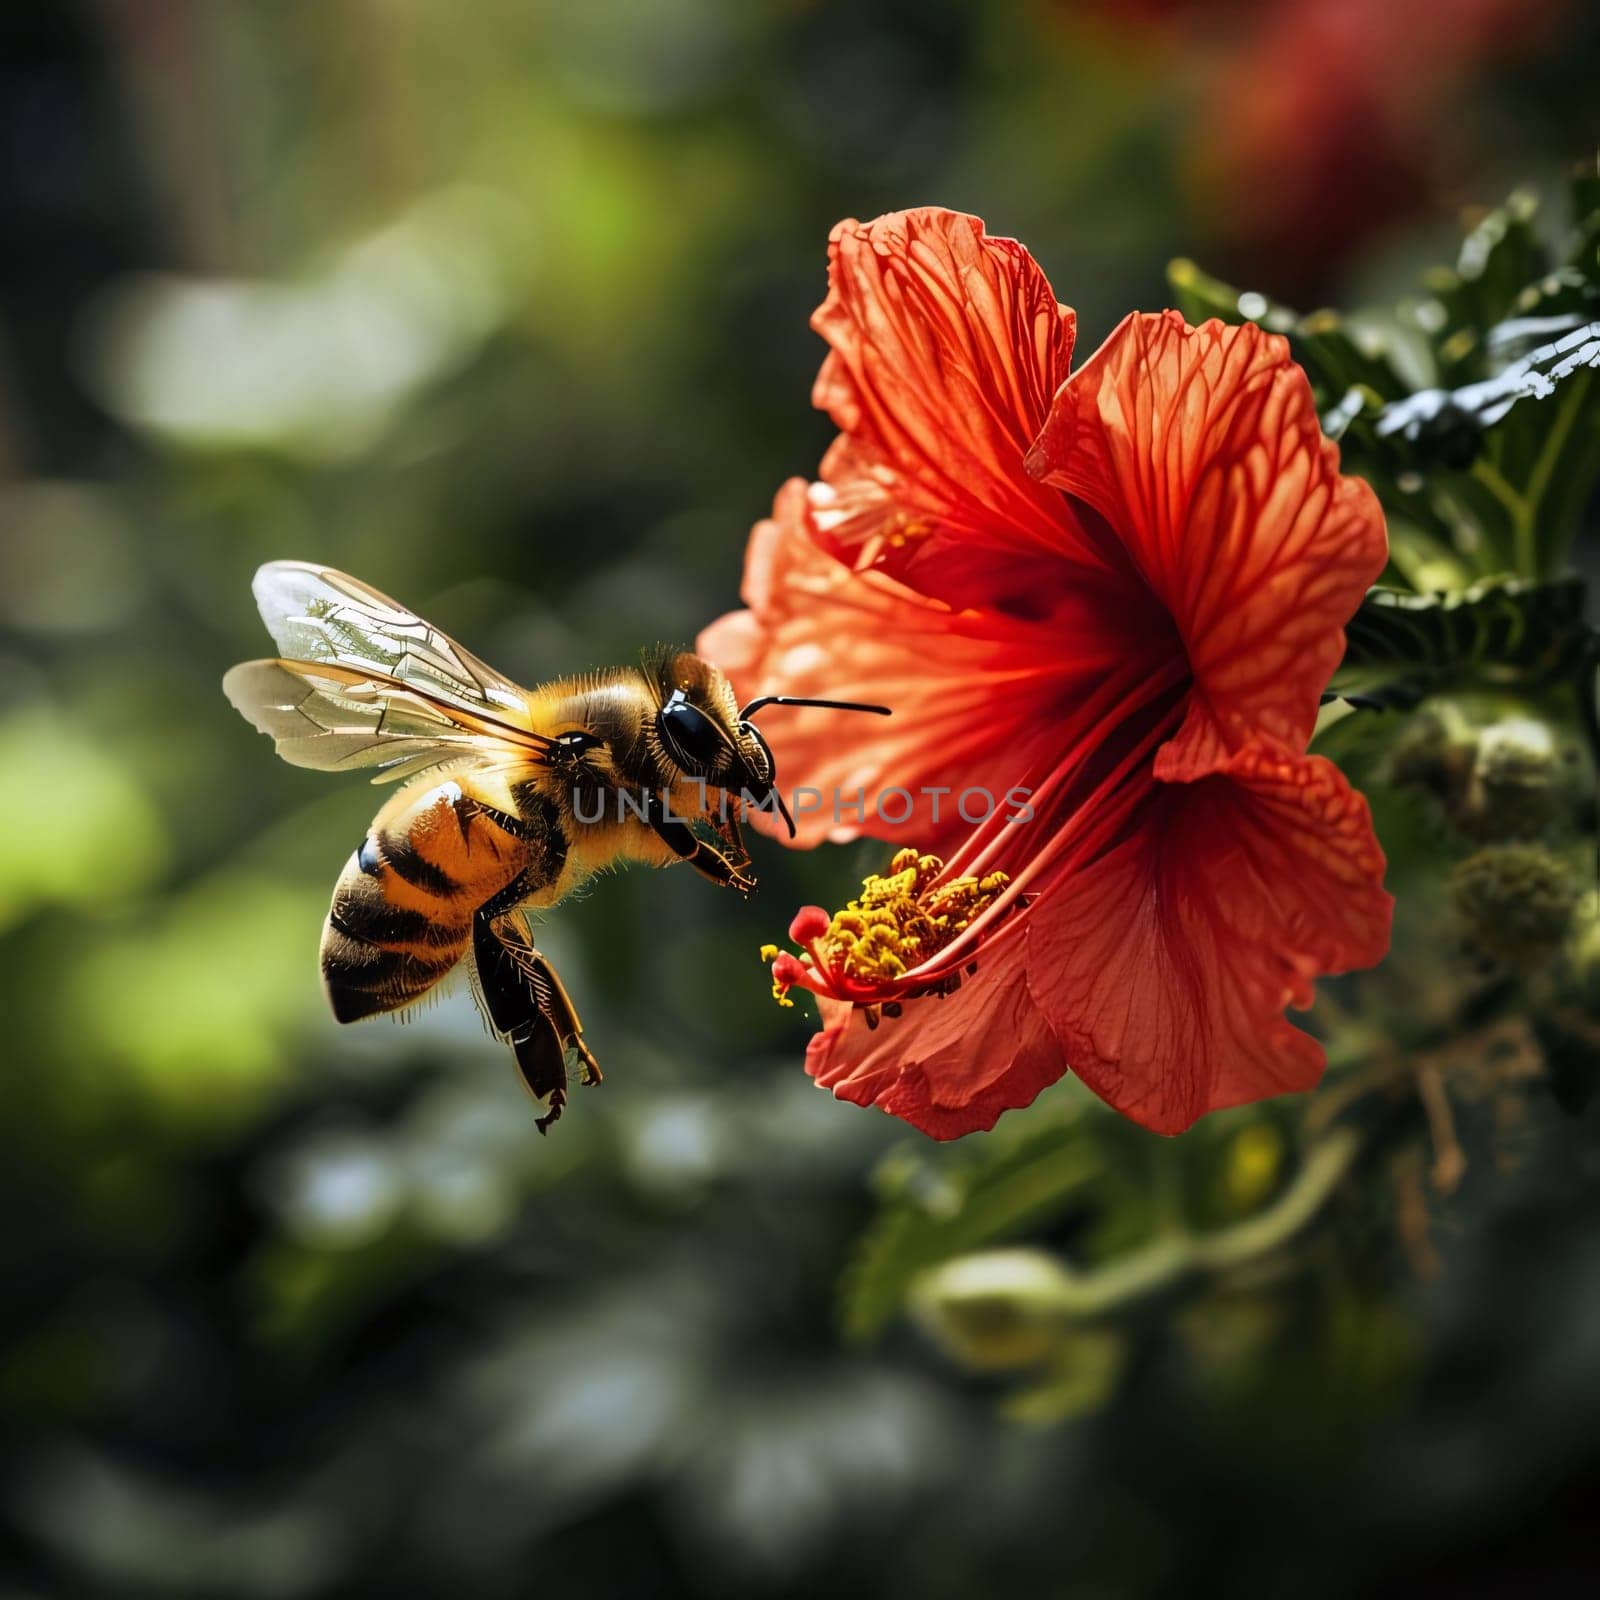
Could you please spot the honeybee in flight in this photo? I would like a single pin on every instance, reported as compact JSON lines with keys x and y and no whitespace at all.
{"x":513,"y":797}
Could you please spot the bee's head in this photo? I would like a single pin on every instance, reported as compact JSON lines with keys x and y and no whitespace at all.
{"x":705,"y":734}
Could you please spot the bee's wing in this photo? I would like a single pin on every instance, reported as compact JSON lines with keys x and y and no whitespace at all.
{"x":316,"y":614}
{"x":371,"y":684}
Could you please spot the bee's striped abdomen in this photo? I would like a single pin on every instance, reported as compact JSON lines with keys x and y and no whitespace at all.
{"x":402,"y":910}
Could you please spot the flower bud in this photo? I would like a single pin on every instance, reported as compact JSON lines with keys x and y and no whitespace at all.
{"x":1517,"y":901}
{"x":1516,"y":778}
{"x":1500,"y":770}
{"x":993,"y":1312}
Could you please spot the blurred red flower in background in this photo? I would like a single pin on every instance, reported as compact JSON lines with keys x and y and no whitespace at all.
{"x":1349,"y":116}
{"x":1318,"y":124}
{"x":1123,"y":590}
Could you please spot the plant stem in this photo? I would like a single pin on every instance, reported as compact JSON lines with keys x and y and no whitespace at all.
{"x":1168,"y":1262}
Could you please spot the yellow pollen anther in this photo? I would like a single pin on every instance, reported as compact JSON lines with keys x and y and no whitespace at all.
{"x":904,"y":917}
{"x":780,"y":989}
{"x":904,"y":530}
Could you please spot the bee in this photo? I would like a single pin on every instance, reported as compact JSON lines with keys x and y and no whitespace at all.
{"x":510,"y":798}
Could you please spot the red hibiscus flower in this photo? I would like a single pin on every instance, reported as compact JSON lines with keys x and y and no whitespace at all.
{"x":1116,"y":594}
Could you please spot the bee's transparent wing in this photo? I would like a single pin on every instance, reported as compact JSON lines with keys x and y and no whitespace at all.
{"x":333,"y":719}
{"x":316,"y":614}
{"x":371,"y":685}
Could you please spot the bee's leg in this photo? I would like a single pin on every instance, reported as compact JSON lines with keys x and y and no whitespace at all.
{"x":516,"y":1015}
{"x":706,"y":859}
{"x":557,"y":1006}
{"x":529,"y":1008}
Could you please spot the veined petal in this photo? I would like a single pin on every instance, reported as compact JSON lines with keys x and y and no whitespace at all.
{"x":972,"y":692}
{"x":947,"y":346}
{"x":1202,"y":450}
{"x":948,"y":1067}
{"x":1164,"y":968}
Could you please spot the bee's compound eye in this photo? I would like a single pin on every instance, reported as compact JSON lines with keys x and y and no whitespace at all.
{"x":690,"y":736}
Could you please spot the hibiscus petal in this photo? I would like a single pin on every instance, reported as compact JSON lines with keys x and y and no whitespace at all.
{"x":1165,"y":967}
{"x":947,"y":346}
{"x":948,"y":1067}
{"x":1202,"y":449}
{"x":969,"y":690}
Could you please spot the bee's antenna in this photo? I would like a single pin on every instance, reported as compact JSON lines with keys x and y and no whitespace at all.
{"x":794,"y":700}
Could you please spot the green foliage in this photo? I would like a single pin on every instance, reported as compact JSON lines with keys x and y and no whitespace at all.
{"x":931,"y":1210}
{"x":64,"y":785}
{"x":221,"y":1056}
{"x":1146,"y":1226}
{"x":1400,"y":646}
{"x":1474,"y":408}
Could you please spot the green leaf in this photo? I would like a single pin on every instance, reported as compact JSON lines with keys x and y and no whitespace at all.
{"x":1201,"y":296}
{"x":1436,"y":413}
{"x":1336,"y":357}
{"x":1498,"y":259}
{"x":1328,"y":347}
{"x":1399,"y":646}
{"x":1085,"y":1371}
{"x":1487,"y":471}
{"x":1514,"y":456}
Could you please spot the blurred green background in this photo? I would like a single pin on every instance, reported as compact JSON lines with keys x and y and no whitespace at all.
{"x":502,"y":308}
